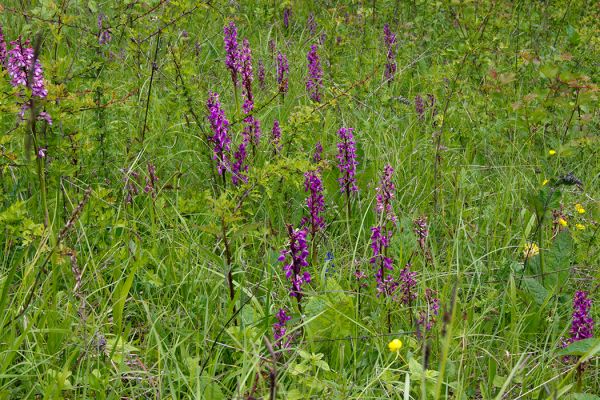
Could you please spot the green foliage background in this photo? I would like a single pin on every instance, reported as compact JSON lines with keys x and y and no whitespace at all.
{"x":132,"y":299}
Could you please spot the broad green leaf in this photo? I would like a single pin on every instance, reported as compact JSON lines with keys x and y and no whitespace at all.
{"x":582,"y":396}
{"x":558,"y":260}
{"x":535,"y":288}
{"x":581,"y":347}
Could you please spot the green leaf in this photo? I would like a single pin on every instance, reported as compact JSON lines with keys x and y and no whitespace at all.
{"x":573,"y":36}
{"x":581,"y":347}
{"x":548,"y":71}
{"x":120,"y":296}
{"x":499,"y":381}
{"x":211,"y":388}
{"x":545,"y":200}
{"x":535,"y":288}
{"x":92,"y":6}
{"x":13,"y":214}
{"x":558,"y":260}
{"x":322,"y":364}
{"x":333,"y":310}
{"x":298,"y":369}
{"x":305,"y":355}
{"x":582,"y":396}
{"x":294,"y":394}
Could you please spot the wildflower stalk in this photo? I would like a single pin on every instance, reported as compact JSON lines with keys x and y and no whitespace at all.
{"x":438,"y":137}
{"x":153,"y":70}
{"x":315,"y":203}
{"x":41,"y":174}
{"x":40,"y":165}
{"x":387,"y":305}
{"x":229,"y":266}
{"x":232,"y":60}
{"x":190,"y":107}
{"x":298,"y":252}
{"x":541,"y":253}
{"x":347,"y":165}
{"x":32,"y":122}
{"x":449,"y":319}
{"x":389,"y":318}
{"x":348,"y":210}
{"x":235,"y":99}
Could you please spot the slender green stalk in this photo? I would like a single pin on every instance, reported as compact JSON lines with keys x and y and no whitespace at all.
{"x":43,"y":191}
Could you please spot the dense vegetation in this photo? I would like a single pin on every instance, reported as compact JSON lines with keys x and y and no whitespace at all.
{"x":310,"y":199}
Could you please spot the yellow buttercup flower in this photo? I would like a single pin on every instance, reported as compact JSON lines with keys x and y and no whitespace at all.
{"x":530,"y":250}
{"x":545,"y":182}
{"x":395,"y":345}
{"x":562,"y":222}
{"x":579,"y":208}
{"x":580,"y":227}
{"x":552,"y":152}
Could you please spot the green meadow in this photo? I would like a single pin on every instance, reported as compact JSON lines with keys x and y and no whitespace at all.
{"x":299,"y":199}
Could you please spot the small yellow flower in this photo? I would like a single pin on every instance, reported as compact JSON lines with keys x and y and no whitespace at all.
{"x":562,"y":222}
{"x":579,"y":208}
{"x":545,"y":182}
{"x":530,"y":250}
{"x":580,"y":227}
{"x":395,"y":345}
{"x":552,"y":152}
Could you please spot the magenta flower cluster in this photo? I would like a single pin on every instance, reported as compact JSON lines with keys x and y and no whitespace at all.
{"x":421,"y":231}
{"x":252,"y":125}
{"x":232,"y":58}
{"x":2,"y":48}
{"x":239,"y":168}
{"x":279,"y":329}
{"x":420,"y":107}
{"x":220,"y":141}
{"x":407,"y":285}
{"x":24,"y":70}
{"x":261,"y":74}
{"x":314,"y":80}
{"x":104,"y":36}
{"x":385,"y":195}
{"x":380,"y":241}
{"x":282,"y":72}
{"x":428,"y":318}
{"x":276,"y":137}
{"x":298,"y":252}
{"x":287,"y":13}
{"x":21,"y":64}
{"x":582,"y":326}
{"x":381,"y":234}
{"x":151,"y":180}
{"x":240,"y":62}
{"x":389,"y":39}
{"x":315,"y":202}
{"x":130,"y":178}
{"x":311,"y":24}
{"x":247,"y":76}
{"x":347,"y":161}
{"x":318,"y":154}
